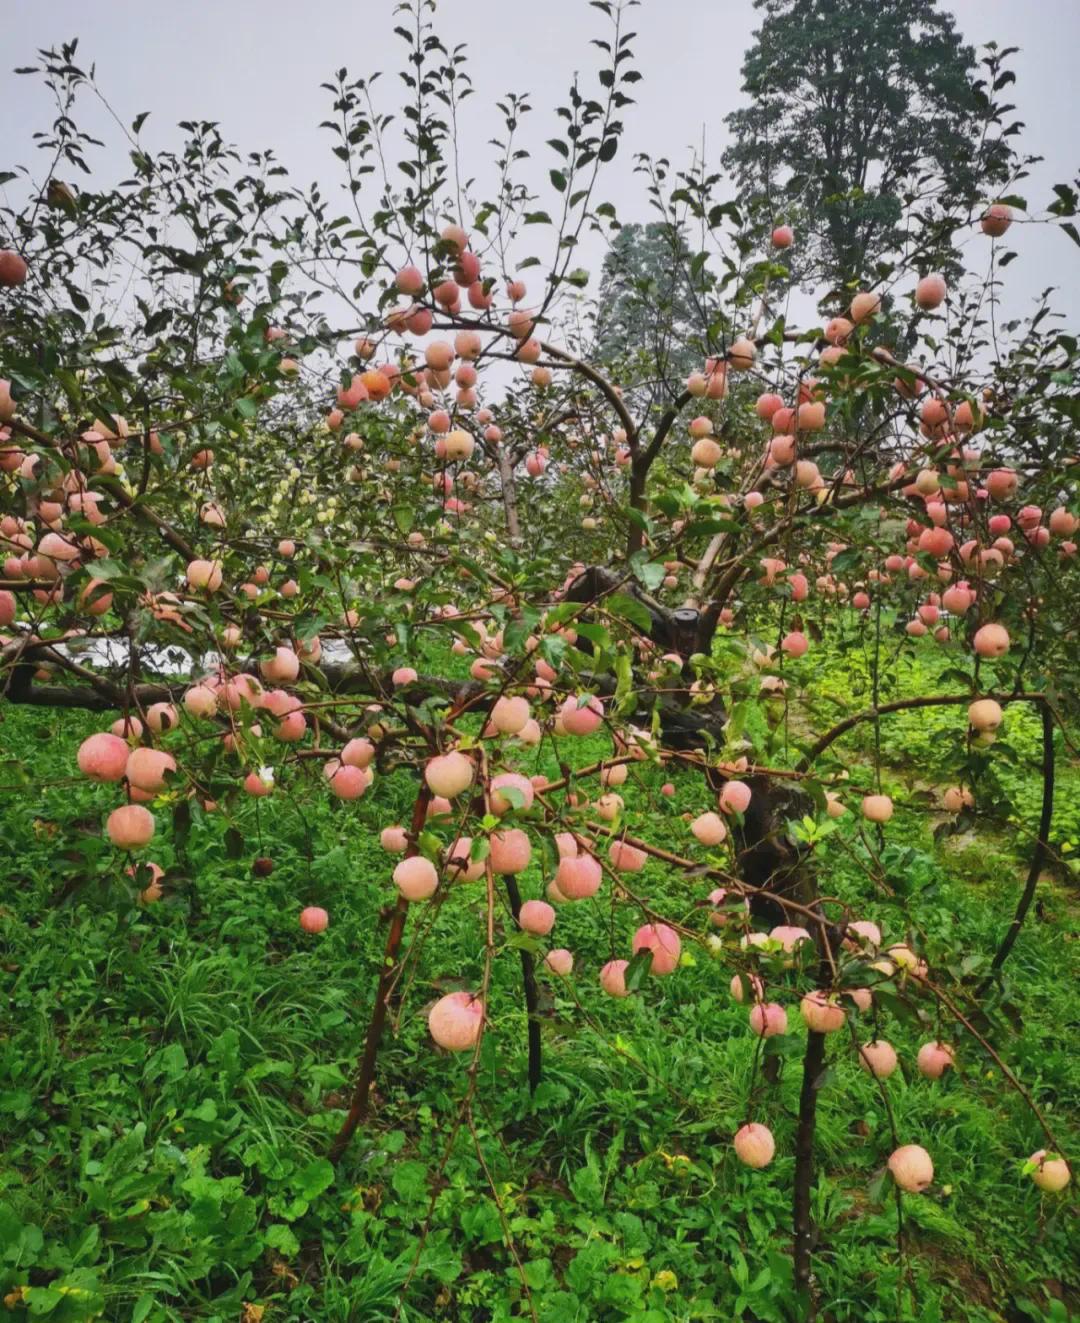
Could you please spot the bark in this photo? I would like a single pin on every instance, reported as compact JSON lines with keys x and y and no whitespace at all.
{"x":639,"y":472}
{"x":102,"y":696}
{"x":95,"y":692}
{"x":352,"y":678}
{"x":361,"y":1095}
{"x":671,"y":630}
{"x":1038,"y":856}
{"x":509,"y":496}
{"x":767,"y":857}
{"x":803,"y":1225}
{"x":532,"y":998}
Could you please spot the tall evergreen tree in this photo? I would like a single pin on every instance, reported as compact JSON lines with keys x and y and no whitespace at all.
{"x":857,"y":110}
{"x":646,"y":307}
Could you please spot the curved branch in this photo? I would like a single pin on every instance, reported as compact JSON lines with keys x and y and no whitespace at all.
{"x":988,"y":1048}
{"x":735,"y":571}
{"x":563,"y":357}
{"x":602,"y":385}
{"x":900,"y":705}
{"x":664,"y":426}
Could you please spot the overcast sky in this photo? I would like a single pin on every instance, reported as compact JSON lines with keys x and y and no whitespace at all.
{"x":256,"y":66}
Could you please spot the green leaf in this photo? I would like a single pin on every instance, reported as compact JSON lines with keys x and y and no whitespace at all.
{"x":42,"y":1300}
{"x":650,"y":573}
{"x":1071,"y":230}
{"x":313,"y":1179}
{"x":281,"y":1238}
{"x":629,"y":608}
{"x":521,"y":941}
{"x":513,"y":795}
{"x":638,"y":969}
{"x":846,"y":561}
{"x":625,"y":695}
{"x":706,"y":527}
{"x":596,"y":634}
{"x":410,"y":1181}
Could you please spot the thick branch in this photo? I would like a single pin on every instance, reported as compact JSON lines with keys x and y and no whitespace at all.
{"x":803,"y":1224}
{"x":569,"y":360}
{"x":603,"y":386}
{"x":96,"y":693}
{"x":734,"y":572}
{"x":361,"y":1096}
{"x":352,"y":678}
{"x":1038,"y":857}
{"x":509,"y":497}
{"x":664,"y":426}
{"x":532,"y":996}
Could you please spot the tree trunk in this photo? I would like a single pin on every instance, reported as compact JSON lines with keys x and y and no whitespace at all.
{"x":361,"y":1096}
{"x":639,"y":472}
{"x":1038,"y":856}
{"x":803,"y":1225}
{"x":532,"y":997}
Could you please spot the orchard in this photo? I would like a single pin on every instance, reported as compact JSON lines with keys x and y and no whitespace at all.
{"x":498,"y":827}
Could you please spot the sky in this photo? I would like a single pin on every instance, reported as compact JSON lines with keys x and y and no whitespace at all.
{"x":256,"y":65}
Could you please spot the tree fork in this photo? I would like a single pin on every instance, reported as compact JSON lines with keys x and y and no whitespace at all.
{"x":361,"y":1096}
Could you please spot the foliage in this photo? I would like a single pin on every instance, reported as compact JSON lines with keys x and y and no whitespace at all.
{"x":168,"y":1070}
{"x":645,"y":303}
{"x":853,"y":122}
{"x":332,"y":527}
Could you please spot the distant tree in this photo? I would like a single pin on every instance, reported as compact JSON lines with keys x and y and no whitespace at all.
{"x":856,"y":114}
{"x":646,"y":307}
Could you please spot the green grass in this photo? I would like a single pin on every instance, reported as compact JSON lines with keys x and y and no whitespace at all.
{"x":170,"y":1077}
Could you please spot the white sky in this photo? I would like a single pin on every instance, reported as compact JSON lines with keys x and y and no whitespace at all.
{"x":256,"y":66}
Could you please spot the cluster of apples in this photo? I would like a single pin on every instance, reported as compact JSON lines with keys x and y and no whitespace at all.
{"x":446,"y":363}
{"x":826,"y":1012}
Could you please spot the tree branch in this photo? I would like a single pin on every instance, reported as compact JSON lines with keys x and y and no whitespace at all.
{"x":124,"y":498}
{"x":900,"y":705}
{"x":1038,"y":856}
{"x":361,"y":1096}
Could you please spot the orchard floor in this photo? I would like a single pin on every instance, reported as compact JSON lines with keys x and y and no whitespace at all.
{"x":171,"y":1076}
